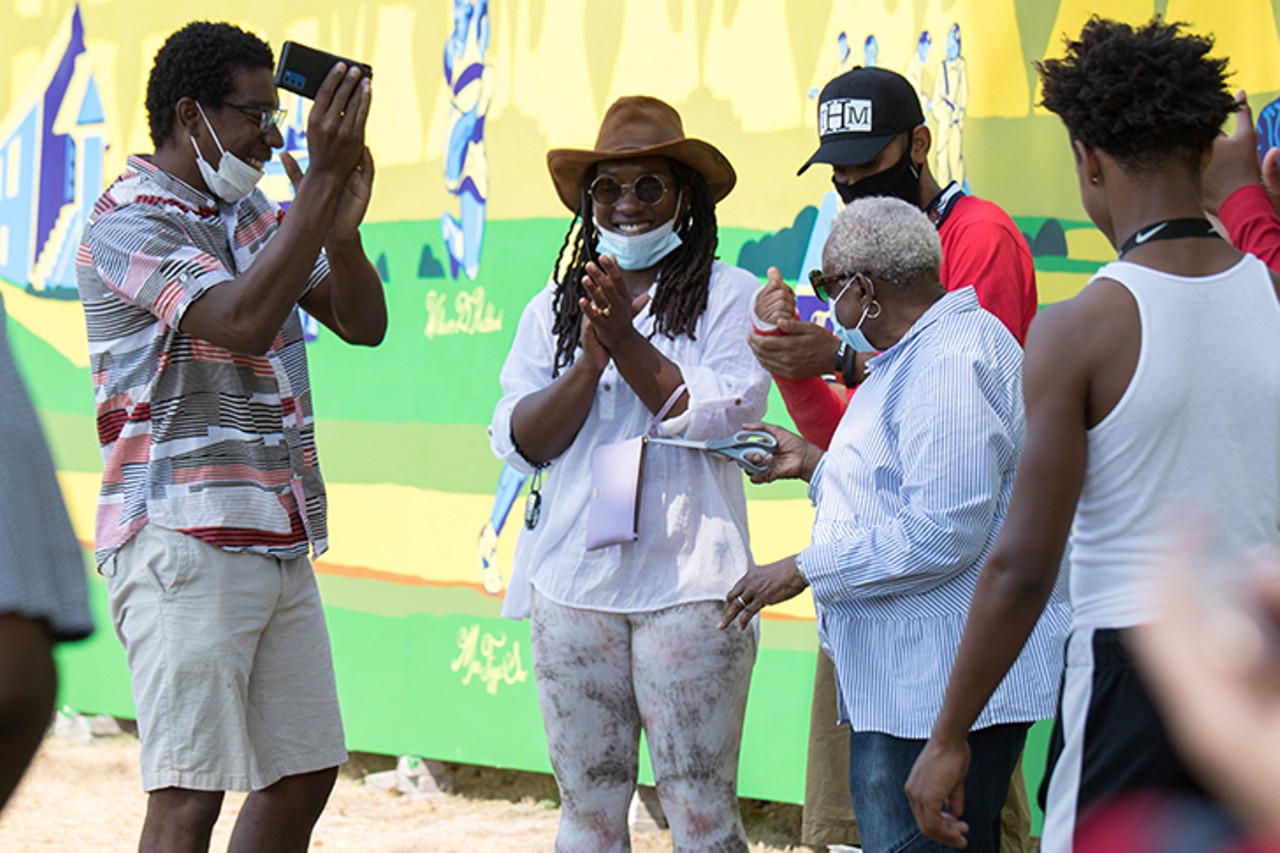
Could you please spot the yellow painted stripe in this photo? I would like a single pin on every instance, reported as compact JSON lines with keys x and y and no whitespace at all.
{"x":419,"y":536}
{"x":59,"y":322}
{"x":1057,"y":286}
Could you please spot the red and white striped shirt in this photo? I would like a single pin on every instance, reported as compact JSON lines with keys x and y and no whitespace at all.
{"x":196,"y":438}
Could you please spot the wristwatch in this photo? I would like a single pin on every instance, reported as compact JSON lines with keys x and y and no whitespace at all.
{"x":845,"y":363}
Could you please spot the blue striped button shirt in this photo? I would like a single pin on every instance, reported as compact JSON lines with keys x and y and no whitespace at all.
{"x":910,"y":497}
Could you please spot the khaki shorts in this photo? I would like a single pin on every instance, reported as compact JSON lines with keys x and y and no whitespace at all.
{"x":230,"y":663}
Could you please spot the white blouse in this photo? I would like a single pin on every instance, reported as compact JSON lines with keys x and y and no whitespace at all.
{"x":693,"y":542}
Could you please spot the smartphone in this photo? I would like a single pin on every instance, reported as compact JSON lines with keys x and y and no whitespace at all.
{"x":302,"y":69}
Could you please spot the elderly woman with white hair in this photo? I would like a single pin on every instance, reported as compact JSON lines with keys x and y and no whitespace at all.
{"x":910,"y":496}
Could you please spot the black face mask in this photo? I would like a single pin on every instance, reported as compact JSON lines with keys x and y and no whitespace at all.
{"x":901,"y":180}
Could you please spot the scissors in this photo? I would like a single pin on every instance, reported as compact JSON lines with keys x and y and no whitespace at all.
{"x":740,"y":445}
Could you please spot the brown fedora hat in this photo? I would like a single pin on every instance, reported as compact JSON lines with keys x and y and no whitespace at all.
{"x":639,"y":126}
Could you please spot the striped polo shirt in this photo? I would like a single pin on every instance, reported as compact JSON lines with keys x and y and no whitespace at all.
{"x":909,"y":499}
{"x":196,"y":438}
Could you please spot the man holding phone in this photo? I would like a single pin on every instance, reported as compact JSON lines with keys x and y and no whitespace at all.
{"x":191,"y":281}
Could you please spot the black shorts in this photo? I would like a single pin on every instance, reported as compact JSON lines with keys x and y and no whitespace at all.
{"x":1108,"y":737}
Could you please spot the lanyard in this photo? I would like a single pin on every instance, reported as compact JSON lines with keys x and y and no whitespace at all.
{"x":1169,"y":229}
{"x":940,"y":207}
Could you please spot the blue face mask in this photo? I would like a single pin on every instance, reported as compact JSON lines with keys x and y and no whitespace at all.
{"x":856,"y":340}
{"x":639,"y":251}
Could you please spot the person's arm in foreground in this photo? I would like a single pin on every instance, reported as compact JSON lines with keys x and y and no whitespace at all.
{"x":1214,"y":667}
{"x":1020,"y":572}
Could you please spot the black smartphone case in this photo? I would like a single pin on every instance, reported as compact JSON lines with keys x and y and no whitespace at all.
{"x":302,"y":69}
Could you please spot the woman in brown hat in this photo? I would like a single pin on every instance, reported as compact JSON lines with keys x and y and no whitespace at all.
{"x":641,"y":329}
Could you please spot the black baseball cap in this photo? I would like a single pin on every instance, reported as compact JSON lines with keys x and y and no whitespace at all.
{"x":859,"y":112}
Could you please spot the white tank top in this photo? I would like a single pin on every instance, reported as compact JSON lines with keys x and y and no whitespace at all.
{"x":1199,"y":423}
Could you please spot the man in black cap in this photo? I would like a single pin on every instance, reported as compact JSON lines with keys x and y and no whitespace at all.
{"x":872,"y":132}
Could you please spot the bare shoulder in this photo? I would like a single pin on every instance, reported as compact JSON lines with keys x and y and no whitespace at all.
{"x":1075,"y":339}
{"x":1104,"y":309}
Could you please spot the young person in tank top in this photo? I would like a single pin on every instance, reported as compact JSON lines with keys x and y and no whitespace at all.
{"x":1158,"y":383}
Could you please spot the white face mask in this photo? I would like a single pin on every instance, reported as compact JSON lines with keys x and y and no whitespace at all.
{"x":234,"y":178}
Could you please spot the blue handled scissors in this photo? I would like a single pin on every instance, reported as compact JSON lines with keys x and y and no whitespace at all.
{"x":740,"y":445}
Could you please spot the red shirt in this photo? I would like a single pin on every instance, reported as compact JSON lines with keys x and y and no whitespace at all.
{"x":980,"y":247}
{"x":1252,"y":224}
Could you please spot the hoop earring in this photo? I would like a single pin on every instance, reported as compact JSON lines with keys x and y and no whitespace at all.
{"x":876,"y":305}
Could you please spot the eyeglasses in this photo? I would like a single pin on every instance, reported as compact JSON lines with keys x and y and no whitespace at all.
{"x":268,"y":117}
{"x":824,"y":285}
{"x":649,"y":189}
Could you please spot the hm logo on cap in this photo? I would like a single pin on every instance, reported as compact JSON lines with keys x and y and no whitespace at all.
{"x":844,"y":115}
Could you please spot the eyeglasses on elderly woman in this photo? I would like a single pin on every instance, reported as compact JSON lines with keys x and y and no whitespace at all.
{"x":824,"y":286}
{"x":831,"y":285}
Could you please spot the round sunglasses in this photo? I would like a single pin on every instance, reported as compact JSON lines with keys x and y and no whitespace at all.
{"x":649,"y":189}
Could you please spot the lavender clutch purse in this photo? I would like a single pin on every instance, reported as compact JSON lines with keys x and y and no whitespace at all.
{"x":613,"y":510}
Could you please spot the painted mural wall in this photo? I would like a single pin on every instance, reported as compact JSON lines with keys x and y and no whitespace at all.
{"x":464,"y":228}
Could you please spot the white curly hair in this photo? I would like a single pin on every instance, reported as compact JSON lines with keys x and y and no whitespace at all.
{"x":886,"y":237}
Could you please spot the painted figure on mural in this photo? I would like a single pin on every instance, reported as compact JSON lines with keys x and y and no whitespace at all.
{"x":466,"y":164}
{"x":915,"y":68}
{"x":1268,"y":128}
{"x":950,"y":98}
{"x":276,"y":180}
{"x":51,"y":159}
{"x":510,"y":482}
{"x":870,"y":52}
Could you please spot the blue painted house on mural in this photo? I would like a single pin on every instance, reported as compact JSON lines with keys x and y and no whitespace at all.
{"x":52,"y":145}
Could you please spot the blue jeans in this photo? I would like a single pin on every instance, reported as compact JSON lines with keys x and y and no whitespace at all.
{"x":878,"y":768}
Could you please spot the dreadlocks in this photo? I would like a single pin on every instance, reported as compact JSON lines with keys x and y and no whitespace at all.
{"x":683,"y":275}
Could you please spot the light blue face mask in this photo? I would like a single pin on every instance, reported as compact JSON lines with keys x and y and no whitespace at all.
{"x":639,"y":251}
{"x":856,"y":340}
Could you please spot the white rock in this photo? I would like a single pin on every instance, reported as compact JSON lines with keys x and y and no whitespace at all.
{"x":104,"y":726}
{"x":383,"y":781}
{"x":69,"y":724}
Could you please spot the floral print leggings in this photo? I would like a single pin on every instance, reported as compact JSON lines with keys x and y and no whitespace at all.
{"x":602,"y":677}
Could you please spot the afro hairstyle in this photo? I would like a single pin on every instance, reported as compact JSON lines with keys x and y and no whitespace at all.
{"x":1147,"y":96}
{"x":199,"y":61}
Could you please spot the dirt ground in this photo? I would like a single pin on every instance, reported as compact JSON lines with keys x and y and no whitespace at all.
{"x":88,"y":797}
